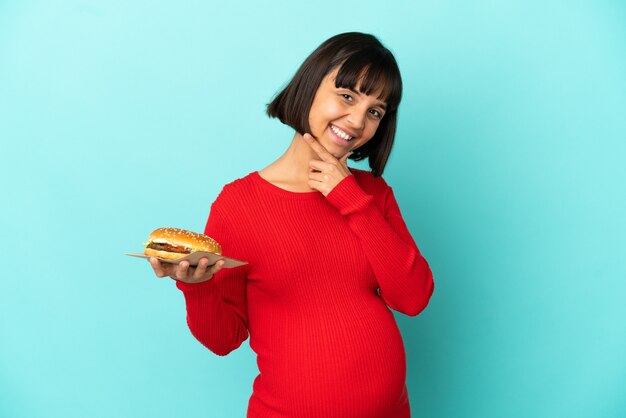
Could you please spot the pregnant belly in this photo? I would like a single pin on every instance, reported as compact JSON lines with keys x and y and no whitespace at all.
{"x":352,"y":366}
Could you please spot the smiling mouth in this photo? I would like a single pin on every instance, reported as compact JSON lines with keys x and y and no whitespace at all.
{"x":341,"y":134}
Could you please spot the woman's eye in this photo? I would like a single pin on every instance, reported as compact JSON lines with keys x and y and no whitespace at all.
{"x":376,"y":114}
{"x":347,"y":96}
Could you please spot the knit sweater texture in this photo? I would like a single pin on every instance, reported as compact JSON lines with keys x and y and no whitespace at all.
{"x":315,"y":298}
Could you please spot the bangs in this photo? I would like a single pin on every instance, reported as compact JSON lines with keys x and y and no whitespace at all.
{"x":374,"y":73}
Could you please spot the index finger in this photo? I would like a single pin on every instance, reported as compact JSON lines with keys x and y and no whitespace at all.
{"x":319,"y":149}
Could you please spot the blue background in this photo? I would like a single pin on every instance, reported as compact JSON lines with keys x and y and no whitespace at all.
{"x":117,"y":117}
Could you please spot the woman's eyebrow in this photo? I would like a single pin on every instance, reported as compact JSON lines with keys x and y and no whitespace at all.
{"x":381,"y":104}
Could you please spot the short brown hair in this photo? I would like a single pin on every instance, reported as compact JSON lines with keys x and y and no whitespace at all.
{"x":360,"y":57}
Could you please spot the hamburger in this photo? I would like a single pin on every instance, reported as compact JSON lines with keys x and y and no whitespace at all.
{"x":175,"y":243}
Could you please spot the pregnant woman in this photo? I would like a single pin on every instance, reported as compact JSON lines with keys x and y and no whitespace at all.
{"x":329,"y":253}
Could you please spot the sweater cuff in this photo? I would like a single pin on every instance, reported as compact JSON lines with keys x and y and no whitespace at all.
{"x":348,"y":197}
{"x":194,"y":287}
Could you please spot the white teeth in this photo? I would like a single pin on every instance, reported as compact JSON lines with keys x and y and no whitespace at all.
{"x":340,"y":133}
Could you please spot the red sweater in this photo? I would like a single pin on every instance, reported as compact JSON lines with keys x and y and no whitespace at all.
{"x":315,"y":296}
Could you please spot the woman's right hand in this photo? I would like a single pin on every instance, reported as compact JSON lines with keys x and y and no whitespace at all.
{"x":182,"y":272}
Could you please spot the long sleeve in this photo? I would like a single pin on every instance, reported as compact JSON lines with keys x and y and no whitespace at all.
{"x":404,"y":277}
{"x":216,"y":309}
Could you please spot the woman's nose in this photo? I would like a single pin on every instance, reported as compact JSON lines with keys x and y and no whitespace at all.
{"x":356,"y":119}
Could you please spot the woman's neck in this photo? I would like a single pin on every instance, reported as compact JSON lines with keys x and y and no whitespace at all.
{"x":291,"y":170}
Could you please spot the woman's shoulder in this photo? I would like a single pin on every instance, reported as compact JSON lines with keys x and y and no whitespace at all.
{"x":368,"y":182}
{"x":239,"y":184}
{"x":235,"y":190}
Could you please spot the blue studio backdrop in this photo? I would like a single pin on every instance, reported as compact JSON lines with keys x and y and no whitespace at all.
{"x":118,"y":117}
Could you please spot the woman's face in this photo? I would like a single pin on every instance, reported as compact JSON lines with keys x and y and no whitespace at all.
{"x":342,"y":119}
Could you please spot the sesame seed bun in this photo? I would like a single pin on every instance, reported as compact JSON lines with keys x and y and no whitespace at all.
{"x":175,"y":243}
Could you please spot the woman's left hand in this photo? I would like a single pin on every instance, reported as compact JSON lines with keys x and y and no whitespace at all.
{"x":328,"y":171}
